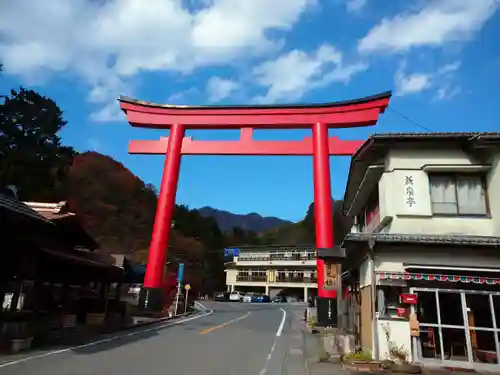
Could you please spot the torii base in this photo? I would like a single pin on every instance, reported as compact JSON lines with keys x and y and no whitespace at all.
{"x":326,"y":312}
{"x":151,"y":300}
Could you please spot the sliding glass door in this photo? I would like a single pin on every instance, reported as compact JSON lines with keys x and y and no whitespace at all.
{"x":458,"y":326}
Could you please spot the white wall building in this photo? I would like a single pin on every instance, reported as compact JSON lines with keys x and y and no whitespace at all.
{"x":427,"y":215}
{"x":273,"y":270}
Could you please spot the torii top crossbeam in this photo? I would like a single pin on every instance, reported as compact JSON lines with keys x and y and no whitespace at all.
{"x":344,"y":114}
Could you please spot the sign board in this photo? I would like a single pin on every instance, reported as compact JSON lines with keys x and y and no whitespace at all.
{"x":180,"y":272}
{"x":327,"y":312}
{"x":331,"y":275}
{"x":187,"y":286}
{"x":231,"y":252}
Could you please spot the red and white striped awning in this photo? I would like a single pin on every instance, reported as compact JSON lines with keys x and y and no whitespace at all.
{"x":408,"y":276}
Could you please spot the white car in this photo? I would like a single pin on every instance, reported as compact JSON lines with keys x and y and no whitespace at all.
{"x":247,"y":298}
{"x":236,"y":296}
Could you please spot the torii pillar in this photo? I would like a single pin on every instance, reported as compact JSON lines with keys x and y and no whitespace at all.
{"x":319,"y":117}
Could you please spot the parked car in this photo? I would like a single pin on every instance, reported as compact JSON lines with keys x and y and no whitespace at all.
{"x":236,"y":296}
{"x":221,"y":296}
{"x":248,"y":297}
{"x":261,"y":298}
{"x":279,"y":299}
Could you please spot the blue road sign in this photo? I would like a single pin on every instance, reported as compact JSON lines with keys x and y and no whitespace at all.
{"x":180,"y":272}
{"x":231,"y":252}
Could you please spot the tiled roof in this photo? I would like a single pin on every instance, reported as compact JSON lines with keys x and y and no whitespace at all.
{"x":55,"y":216}
{"x":51,"y":211}
{"x":256,"y":248}
{"x":19,"y":207}
{"x":447,"y":239}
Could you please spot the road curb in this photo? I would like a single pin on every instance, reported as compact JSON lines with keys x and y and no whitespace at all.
{"x":148,"y":323}
{"x":296,"y":355}
{"x":305,"y":351}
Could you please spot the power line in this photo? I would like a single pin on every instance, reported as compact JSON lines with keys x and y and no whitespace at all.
{"x":410,"y":120}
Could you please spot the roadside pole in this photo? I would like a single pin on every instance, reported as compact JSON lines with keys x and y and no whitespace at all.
{"x":177,"y":297}
{"x":187,"y":287}
{"x":180,"y":276}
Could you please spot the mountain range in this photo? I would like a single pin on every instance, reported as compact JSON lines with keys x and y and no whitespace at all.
{"x":249,"y":222}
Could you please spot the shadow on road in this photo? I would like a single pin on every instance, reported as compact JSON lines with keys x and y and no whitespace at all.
{"x":113,"y":342}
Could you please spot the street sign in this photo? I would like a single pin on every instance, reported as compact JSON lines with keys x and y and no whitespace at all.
{"x":187,"y":286}
{"x":180,"y":272}
{"x":228,"y":252}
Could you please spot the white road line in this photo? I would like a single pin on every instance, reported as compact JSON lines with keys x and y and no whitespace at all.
{"x":113,"y":338}
{"x":268,"y":358}
{"x":278,"y":334}
{"x":282,"y":324}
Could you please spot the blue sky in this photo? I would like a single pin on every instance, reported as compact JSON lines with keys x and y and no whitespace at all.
{"x":441,"y":58}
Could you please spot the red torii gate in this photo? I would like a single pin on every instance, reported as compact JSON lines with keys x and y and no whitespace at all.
{"x":320,"y":117}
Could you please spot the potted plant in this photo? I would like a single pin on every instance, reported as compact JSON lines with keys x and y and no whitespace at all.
{"x":398,"y":356}
{"x":360,"y":361}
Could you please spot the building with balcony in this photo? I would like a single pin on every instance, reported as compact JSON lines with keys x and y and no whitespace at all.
{"x":273,"y":270}
{"x":423,"y":261}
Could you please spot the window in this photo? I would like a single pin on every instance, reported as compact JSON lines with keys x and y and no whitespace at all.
{"x":458,"y":195}
{"x":388,"y":301}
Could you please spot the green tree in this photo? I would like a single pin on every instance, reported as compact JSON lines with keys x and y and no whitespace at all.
{"x":31,"y":154}
{"x":305,"y":231}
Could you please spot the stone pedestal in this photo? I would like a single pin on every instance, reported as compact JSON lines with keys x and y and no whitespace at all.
{"x":329,"y":345}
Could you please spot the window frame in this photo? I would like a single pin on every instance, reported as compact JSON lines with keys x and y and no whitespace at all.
{"x":455,"y":176}
{"x":381,"y":305}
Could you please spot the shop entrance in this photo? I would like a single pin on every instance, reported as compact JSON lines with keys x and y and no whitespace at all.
{"x":458,"y":327}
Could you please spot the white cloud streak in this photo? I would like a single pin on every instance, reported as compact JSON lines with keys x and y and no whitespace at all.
{"x":292,"y":74}
{"x":438,"y":22}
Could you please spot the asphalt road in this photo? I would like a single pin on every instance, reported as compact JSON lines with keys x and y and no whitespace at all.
{"x":240,"y":339}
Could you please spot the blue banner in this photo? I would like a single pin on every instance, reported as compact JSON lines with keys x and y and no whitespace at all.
{"x":180,"y":272}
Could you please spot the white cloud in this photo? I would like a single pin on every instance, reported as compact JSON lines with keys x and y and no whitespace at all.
{"x":355,"y":5}
{"x":413,"y":83}
{"x":219,"y":89}
{"x":447,"y":92}
{"x":450,"y":68}
{"x":107,"y":42}
{"x":183,"y":96}
{"x":438,"y":22}
{"x":109,"y":112}
{"x":294,"y":73}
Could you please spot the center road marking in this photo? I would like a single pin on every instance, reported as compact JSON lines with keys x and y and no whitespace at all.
{"x":223,"y":324}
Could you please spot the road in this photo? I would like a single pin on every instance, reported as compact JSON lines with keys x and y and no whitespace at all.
{"x":232,"y":338}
